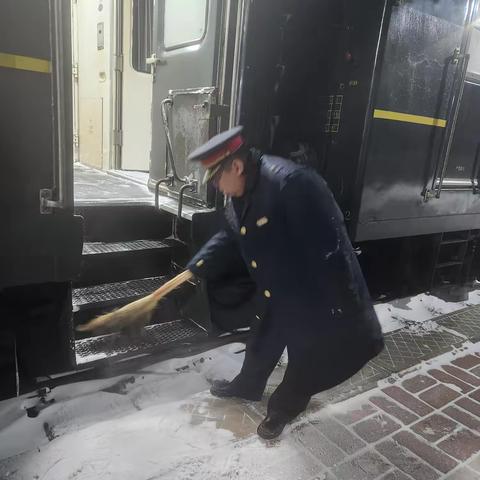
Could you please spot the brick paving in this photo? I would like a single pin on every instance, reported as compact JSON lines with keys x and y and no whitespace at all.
{"x":423,"y":424}
{"x":418,"y":383}
{"x":424,"y":427}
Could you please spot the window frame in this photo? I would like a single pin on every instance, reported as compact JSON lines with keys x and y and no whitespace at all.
{"x":134,"y":65}
{"x":191,"y":42}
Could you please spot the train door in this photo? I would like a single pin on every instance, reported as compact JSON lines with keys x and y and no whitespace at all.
{"x":136,"y":109}
{"x":41,"y":240}
{"x":187,"y":37}
{"x":112,"y":83}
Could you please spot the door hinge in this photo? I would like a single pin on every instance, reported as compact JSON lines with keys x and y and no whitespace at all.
{"x":118,"y":59}
{"x":118,"y":137}
{"x":75,"y":71}
{"x":76,"y":139}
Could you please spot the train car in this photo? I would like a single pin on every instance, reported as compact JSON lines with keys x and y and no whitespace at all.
{"x":102,"y":106}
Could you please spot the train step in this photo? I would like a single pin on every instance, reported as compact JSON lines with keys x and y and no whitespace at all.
{"x":89,"y":302}
{"x":153,"y":338}
{"x":115,"y":223}
{"x":106,"y":262}
{"x":98,"y":248}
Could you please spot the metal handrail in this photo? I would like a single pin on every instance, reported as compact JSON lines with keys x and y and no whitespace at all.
{"x":454,"y":104}
{"x":476,"y":167}
{"x":168,"y":180}
{"x":193,"y":187}
{"x":59,"y":195}
{"x":453,"y":109}
{"x":165,"y":102}
{"x":456,"y":110}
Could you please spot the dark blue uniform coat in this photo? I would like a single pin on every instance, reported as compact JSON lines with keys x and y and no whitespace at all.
{"x":292,"y":237}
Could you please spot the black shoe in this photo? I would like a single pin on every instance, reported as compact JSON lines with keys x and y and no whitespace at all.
{"x":225,"y":389}
{"x":272,"y":426}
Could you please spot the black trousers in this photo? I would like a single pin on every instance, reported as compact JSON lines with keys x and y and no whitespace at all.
{"x":262,"y":355}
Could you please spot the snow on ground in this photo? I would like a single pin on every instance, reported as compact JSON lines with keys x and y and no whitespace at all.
{"x":419,"y":309}
{"x":161,"y":427}
{"x":99,"y":430}
{"x":161,"y":422}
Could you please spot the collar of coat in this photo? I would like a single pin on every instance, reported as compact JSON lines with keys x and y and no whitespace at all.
{"x":253,"y":171}
{"x":253,"y":175}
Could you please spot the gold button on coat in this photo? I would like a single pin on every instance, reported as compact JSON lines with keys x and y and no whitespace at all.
{"x":254,"y":264}
{"x":267,"y":293}
{"x":243,"y":231}
{"x":200,"y":263}
{"x":262,"y":221}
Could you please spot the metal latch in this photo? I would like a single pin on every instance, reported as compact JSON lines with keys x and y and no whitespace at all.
{"x":153,"y":61}
{"x":46,"y":203}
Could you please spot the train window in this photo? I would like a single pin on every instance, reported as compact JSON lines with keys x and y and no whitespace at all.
{"x":185,"y":22}
{"x":474,"y":50}
{"x":142,"y":34}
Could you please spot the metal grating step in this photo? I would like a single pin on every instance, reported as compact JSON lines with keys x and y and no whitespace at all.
{"x":407,"y":347}
{"x":96,"y":248}
{"x":153,"y":337}
{"x":108,"y":292}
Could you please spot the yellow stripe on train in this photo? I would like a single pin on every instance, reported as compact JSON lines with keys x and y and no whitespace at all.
{"x":408,"y":118}
{"x":20,"y":62}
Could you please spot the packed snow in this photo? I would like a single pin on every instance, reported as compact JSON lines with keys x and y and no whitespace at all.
{"x":161,"y":422}
{"x":162,"y":426}
{"x":138,"y":431}
{"x":419,"y":310}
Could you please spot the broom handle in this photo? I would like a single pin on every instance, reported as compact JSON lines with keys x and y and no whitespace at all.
{"x":172,"y":284}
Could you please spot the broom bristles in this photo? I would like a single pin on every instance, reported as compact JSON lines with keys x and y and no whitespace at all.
{"x":136,"y":314}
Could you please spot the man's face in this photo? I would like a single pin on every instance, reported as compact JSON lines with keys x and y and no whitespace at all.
{"x":231,"y":180}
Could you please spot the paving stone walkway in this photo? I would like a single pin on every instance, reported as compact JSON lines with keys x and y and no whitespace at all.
{"x":421,"y":425}
{"x":425,"y":426}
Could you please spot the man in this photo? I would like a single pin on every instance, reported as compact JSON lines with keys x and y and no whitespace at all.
{"x":313,"y":299}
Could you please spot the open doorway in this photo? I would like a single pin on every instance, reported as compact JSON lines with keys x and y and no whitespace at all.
{"x":129,"y":58}
{"x":112,"y":90}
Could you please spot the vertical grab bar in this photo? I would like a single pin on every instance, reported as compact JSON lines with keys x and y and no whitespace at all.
{"x":59,"y":195}
{"x":454,"y":103}
{"x":193,"y":187}
{"x":452,"y":114}
{"x":168,"y":101}
{"x":168,"y":180}
{"x":451,"y":128}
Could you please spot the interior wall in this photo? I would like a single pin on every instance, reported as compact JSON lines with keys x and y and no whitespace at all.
{"x":95,"y":81}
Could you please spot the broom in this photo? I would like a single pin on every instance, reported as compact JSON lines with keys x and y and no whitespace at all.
{"x":137,"y":314}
